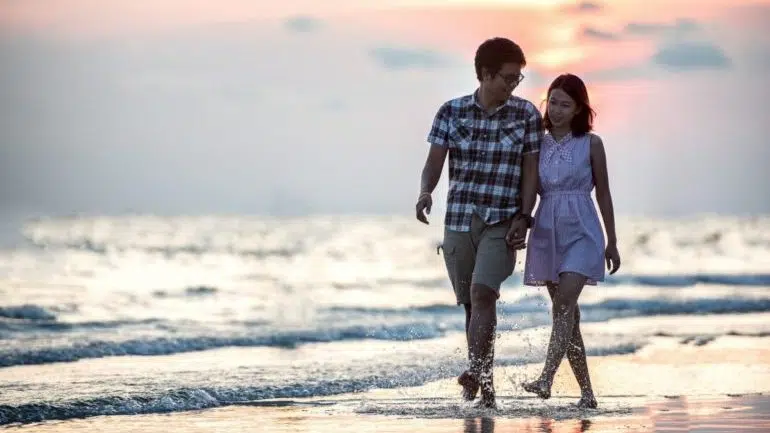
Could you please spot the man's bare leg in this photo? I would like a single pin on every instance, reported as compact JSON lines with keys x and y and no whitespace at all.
{"x":482,"y":339}
{"x":467,"y":380}
{"x":576,"y":355}
{"x":563,"y":339}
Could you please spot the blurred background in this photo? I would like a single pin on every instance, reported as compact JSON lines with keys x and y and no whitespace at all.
{"x":303,"y":107}
{"x":226,"y":189}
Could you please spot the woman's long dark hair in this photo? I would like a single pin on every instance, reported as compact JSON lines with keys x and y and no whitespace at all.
{"x":572,"y":85}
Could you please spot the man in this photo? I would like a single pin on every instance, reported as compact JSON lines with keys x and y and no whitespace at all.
{"x":493,"y":142}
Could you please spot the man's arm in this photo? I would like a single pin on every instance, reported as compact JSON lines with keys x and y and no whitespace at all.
{"x":529,"y":179}
{"x":527,"y":191}
{"x":531,"y":162}
{"x":438,"y":137}
{"x":431,"y":172}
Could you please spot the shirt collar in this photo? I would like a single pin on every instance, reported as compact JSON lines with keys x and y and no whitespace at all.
{"x":563,"y":140}
{"x":474,"y":101}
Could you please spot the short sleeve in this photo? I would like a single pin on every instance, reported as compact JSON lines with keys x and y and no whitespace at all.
{"x":439,"y":131}
{"x":533,"y":133}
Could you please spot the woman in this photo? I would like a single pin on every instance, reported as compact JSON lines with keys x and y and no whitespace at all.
{"x":566,"y":246}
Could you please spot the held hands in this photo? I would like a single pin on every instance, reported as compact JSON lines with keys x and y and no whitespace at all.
{"x":517,"y":234}
{"x":424,"y":203}
{"x":612,"y":257}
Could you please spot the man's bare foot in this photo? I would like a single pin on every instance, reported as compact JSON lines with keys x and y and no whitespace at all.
{"x":470,"y":385}
{"x":587,"y":402}
{"x":538,"y":387}
{"x":486,"y":404}
{"x":487,"y":400}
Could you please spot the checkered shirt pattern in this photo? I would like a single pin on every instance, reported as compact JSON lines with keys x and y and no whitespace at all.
{"x":485,"y":156}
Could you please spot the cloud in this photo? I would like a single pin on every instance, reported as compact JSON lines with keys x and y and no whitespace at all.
{"x":198,"y":121}
{"x":592,"y":33}
{"x":620,"y":73}
{"x":691,"y":56}
{"x":670,"y":57}
{"x":680,"y":26}
{"x":228,"y":119}
{"x":761,"y":57}
{"x":409,"y":58}
{"x":303,"y":24}
{"x":584,"y":6}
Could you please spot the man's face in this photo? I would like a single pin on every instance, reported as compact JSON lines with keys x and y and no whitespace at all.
{"x":504,"y":81}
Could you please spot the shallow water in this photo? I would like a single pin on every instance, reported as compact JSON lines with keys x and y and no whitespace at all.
{"x":172,"y":314}
{"x":704,"y":415}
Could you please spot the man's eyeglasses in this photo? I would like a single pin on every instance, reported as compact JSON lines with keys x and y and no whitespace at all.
{"x":512,"y":80}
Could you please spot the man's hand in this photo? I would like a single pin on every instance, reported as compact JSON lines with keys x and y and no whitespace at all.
{"x":424,"y":203}
{"x":517,"y":234}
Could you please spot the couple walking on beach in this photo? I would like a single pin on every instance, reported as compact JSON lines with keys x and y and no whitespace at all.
{"x":502,"y":154}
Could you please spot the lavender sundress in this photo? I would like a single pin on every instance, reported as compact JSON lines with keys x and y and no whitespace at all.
{"x":566,"y":234}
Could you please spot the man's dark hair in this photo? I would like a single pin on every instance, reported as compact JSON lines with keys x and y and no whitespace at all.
{"x":493,"y":53}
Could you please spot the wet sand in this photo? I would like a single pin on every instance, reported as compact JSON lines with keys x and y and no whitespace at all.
{"x":672,"y":384}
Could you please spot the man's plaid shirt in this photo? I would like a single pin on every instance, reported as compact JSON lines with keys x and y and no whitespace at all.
{"x":485,"y":156}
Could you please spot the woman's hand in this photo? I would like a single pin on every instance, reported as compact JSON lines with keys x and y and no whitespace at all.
{"x":612,"y":257}
{"x":516,"y":237}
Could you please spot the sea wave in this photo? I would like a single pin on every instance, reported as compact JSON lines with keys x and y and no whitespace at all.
{"x":25,"y":326}
{"x":186,"y":398}
{"x":642,"y":307}
{"x":719,"y":244}
{"x":77,"y":350}
{"x":29,"y":312}
{"x":685,"y":280}
{"x":361,"y":323}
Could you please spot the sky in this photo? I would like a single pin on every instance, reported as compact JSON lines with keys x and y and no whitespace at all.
{"x":303,"y":107}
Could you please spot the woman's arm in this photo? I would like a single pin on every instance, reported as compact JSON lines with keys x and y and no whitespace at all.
{"x":602,"y":183}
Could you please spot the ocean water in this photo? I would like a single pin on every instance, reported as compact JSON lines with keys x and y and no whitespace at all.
{"x":145,"y":314}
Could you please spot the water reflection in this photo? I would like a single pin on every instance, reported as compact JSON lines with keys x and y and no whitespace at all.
{"x":532,"y":425}
{"x":479,"y":425}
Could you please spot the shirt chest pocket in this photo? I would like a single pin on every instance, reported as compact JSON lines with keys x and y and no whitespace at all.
{"x":461,"y":146}
{"x":512,"y":136}
{"x":461,"y":135}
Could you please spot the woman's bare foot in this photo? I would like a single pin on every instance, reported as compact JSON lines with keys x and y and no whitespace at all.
{"x":538,"y":387}
{"x":587,"y":402}
{"x":470,"y":385}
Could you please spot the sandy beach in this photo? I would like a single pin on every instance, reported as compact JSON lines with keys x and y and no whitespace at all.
{"x":674,"y":383}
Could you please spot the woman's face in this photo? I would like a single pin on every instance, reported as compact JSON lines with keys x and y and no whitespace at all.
{"x":561,"y":108}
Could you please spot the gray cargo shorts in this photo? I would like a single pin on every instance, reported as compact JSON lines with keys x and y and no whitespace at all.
{"x":480,"y":256}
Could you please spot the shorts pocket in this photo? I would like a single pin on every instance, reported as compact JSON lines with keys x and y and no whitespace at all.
{"x":459,"y":264}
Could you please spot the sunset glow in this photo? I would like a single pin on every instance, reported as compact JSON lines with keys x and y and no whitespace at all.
{"x":151,"y":78}
{"x":557,"y":57}
{"x":110,"y":16}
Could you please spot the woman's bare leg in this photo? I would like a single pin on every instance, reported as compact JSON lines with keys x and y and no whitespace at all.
{"x":576,"y":355}
{"x":566,"y":320}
